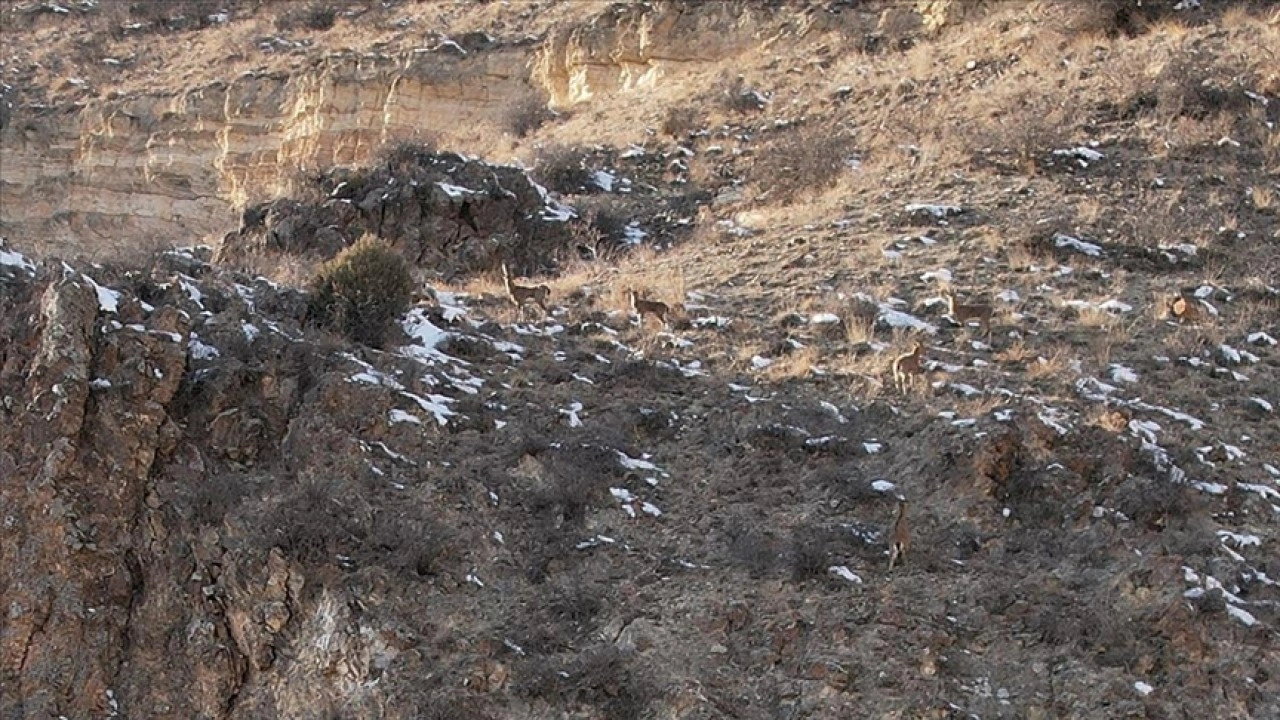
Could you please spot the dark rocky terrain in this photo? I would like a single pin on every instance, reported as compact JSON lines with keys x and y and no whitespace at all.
{"x":213,"y":508}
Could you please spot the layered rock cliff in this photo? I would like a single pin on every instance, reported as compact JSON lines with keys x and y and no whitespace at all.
{"x":163,"y":163}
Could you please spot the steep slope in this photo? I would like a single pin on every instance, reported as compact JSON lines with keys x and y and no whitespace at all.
{"x":213,"y":509}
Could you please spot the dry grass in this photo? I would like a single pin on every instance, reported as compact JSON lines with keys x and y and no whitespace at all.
{"x":1056,"y":365}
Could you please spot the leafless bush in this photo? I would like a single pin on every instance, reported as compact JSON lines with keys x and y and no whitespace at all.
{"x":1152,"y":503}
{"x":682,"y":121}
{"x":810,"y":554}
{"x":605,"y":677}
{"x":318,"y":16}
{"x":799,"y":163}
{"x":528,"y":114}
{"x":563,"y":168}
{"x":735,"y":96}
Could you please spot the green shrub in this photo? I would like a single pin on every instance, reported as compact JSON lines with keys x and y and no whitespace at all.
{"x":362,"y":292}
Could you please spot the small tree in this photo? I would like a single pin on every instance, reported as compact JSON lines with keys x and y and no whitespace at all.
{"x":362,"y":292}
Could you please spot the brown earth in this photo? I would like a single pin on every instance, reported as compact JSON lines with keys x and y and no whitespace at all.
{"x":212,"y":509}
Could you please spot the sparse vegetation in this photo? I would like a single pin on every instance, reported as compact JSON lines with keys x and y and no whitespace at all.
{"x":568,"y":513}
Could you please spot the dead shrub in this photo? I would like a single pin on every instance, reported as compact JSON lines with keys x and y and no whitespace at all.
{"x":605,"y":678}
{"x":528,"y":114}
{"x":801,"y":163}
{"x":1152,"y":503}
{"x":810,"y":553}
{"x":755,"y":551}
{"x":362,"y":292}
{"x":318,"y":17}
{"x":406,"y":545}
{"x":563,"y":168}
{"x":682,"y":121}
{"x":735,"y":96}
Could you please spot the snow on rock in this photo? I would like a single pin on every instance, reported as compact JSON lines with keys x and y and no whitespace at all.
{"x":937,"y":211}
{"x":942,"y":276}
{"x":1088,"y":248}
{"x":1240,"y":540}
{"x":760,"y":363}
{"x":824,"y":319}
{"x":882,"y":486}
{"x":1081,"y":154}
{"x":1243,"y":616}
{"x":201,"y":351}
{"x":1115,"y":306}
{"x":641,"y":464}
{"x":426,"y":337}
{"x":633,"y":234}
{"x":1260,"y":338}
{"x":1009,"y":296}
{"x":894,"y":318}
{"x":1123,"y":374}
{"x":603,"y":180}
{"x":844,"y":573}
{"x":108,"y":299}
{"x":437,"y":405}
{"x":571,"y":412}
{"x":400,"y":416}
{"x":1143,"y":688}
{"x":455,"y":191}
{"x":13,"y":258}
{"x":251,"y":331}
{"x":1266,"y":406}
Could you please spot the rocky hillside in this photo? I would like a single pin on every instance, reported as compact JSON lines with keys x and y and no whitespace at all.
{"x":213,"y":507}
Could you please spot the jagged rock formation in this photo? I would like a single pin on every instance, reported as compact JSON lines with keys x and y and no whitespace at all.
{"x":452,"y":215}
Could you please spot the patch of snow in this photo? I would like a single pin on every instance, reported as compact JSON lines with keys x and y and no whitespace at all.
{"x":100,"y":383}
{"x":760,"y":363}
{"x":603,"y":180}
{"x":108,"y":299}
{"x":1262,"y":403}
{"x":882,"y":486}
{"x":437,"y":405}
{"x":1244,"y":616}
{"x":399,"y":416}
{"x":251,"y":331}
{"x":1265,"y":491}
{"x":1088,"y":248}
{"x":942,"y":276}
{"x":633,"y":234}
{"x":649,"y":508}
{"x":1082,"y":154}
{"x":872,"y":448}
{"x":1240,"y":540}
{"x":824,"y":319}
{"x":572,"y":413}
{"x":1143,"y":688}
{"x":426,"y":336}
{"x":1121,"y":373}
{"x":1115,"y":306}
{"x":1009,"y":296}
{"x":556,"y":211}
{"x":1261,"y":338}
{"x":13,"y":258}
{"x":835,"y":411}
{"x":201,"y":351}
{"x":844,"y":573}
{"x":938,"y":211}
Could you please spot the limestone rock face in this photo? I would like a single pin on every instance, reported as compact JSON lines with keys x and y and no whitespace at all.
{"x":169,"y":162}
